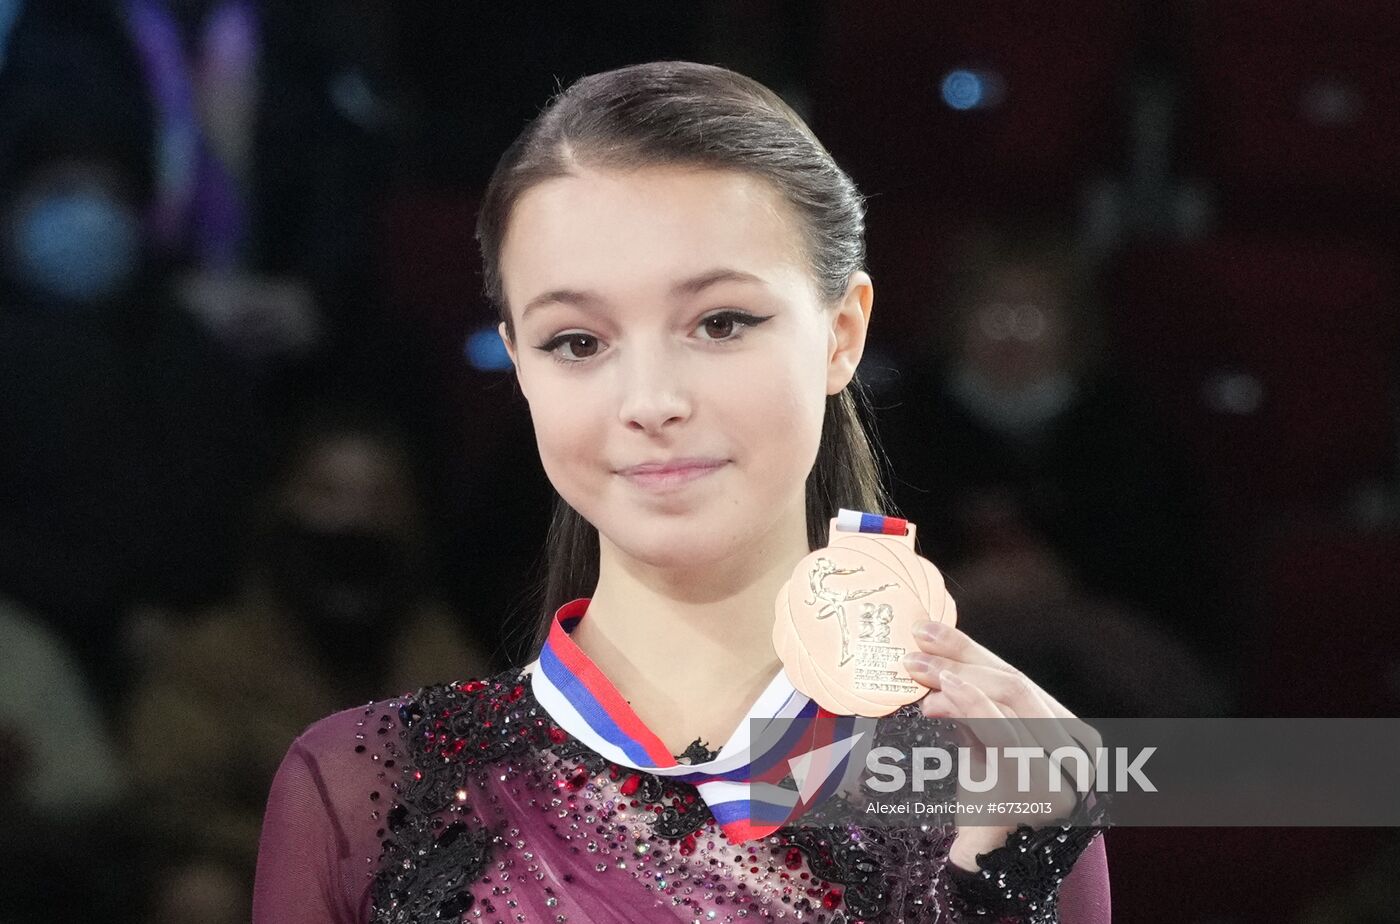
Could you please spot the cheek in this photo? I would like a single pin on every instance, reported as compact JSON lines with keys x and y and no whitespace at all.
{"x":567,"y":429}
{"x":780,"y":405}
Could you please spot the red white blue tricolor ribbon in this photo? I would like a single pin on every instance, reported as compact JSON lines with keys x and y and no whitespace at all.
{"x":853,"y":521}
{"x":784,"y":734}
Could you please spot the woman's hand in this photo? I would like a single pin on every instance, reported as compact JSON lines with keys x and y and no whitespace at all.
{"x":969,"y":683}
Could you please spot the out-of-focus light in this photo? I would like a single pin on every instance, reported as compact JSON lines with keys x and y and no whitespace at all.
{"x":1331,"y":101}
{"x":486,"y":352}
{"x":1233,"y":391}
{"x":354,"y":98}
{"x":1005,"y":321}
{"x":9,"y":15}
{"x":962,"y":90}
{"x":965,"y":89}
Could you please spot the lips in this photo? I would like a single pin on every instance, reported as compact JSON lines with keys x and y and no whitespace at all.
{"x":670,"y":472}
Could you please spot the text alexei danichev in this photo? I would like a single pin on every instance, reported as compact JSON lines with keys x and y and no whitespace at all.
{"x":959,"y":808}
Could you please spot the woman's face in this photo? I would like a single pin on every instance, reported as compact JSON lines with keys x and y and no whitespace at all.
{"x":675,"y":355}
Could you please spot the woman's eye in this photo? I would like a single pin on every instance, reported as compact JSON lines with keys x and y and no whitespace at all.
{"x":726,"y":324}
{"x":569,"y":348}
{"x":720,"y":326}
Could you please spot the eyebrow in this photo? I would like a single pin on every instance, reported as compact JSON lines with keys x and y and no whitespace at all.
{"x":683,"y":289}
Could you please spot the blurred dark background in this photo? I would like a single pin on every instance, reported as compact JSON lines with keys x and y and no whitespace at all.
{"x":1134,"y":363}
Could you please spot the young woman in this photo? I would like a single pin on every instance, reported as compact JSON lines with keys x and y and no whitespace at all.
{"x":678,"y":266}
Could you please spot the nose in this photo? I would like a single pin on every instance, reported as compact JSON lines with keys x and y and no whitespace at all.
{"x":653,"y":392}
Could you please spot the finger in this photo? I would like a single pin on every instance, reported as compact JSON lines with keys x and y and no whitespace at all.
{"x":936,"y":705}
{"x":1030,"y":700}
{"x":1068,"y":737}
{"x":1084,"y":734}
{"x":1044,"y":731}
{"x":1012,"y":729}
{"x":971,"y":702}
{"x":1056,"y":707}
{"x":1024,"y":738}
{"x":1043,"y":735}
{"x":1006,"y":686}
{"x":1053,"y":726}
{"x":1003,"y":682}
{"x":938,"y":638}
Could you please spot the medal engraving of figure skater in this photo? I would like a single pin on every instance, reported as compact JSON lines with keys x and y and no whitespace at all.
{"x":835,"y":600}
{"x":875,"y":622}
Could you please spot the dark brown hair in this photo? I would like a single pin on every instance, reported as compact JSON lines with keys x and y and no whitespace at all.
{"x":674,"y":113}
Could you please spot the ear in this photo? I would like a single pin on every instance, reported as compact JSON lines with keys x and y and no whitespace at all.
{"x":850,"y":319}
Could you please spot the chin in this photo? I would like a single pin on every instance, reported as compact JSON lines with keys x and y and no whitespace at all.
{"x":679,"y":556}
{"x":689,"y":538}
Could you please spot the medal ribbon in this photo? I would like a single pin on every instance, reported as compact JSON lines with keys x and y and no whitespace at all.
{"x":741,"y":785}
{"x":853,"y":521}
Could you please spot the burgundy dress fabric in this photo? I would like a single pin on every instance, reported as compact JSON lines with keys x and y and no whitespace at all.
{"x":467,"y":802}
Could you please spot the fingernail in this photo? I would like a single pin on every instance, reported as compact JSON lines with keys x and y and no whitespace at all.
{"x":950,"y":679}
{"x":930,"y":631}
{"x":917,"y":663}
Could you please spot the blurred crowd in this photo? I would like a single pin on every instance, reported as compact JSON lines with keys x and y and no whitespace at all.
{"x":1136,"y":381}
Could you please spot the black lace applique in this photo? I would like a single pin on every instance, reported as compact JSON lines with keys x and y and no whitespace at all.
{"x":1020,"y":880}
{"x":832,"y":855}
{"x":434,"y":845}
{"x":696,"y":753}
